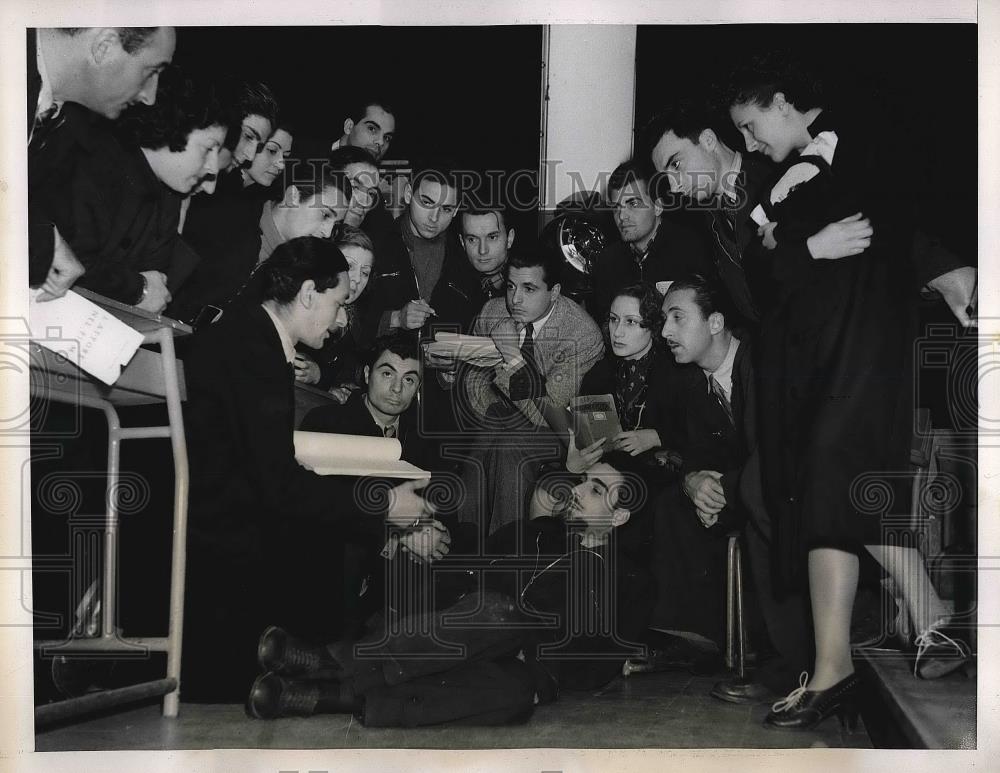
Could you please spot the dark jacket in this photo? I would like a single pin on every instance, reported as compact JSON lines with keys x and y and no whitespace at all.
{"x":460,"y":296}
{"x":117,"y":217}
{"x":224,"y":228}
{"x":245,"y":483}
{"x":393,"y":282}
{"x":733,"y":232}
{"x":676,"y":250}
{"x":601,"y":600}
{"x":704,"y":435}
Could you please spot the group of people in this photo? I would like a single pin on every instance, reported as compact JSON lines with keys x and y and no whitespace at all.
{"x":755,"y":344}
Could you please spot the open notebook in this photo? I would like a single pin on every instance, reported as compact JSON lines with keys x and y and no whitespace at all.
{"x":327,"y":453}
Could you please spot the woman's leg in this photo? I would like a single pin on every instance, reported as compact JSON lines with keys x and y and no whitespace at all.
{"x":909,"y":572}
{"x":833,"y":582}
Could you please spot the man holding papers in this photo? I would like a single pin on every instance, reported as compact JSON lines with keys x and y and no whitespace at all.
{"x":254,"y":509}
{"x":546,"y":340}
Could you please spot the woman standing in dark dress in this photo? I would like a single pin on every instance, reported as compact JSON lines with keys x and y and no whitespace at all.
{"x":834,"y":367}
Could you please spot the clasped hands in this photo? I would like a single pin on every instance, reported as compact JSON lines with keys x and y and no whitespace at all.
{"x":704,"y":489}
{"x":428,"y":539}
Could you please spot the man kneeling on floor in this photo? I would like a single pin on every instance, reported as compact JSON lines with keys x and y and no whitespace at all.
{"x":490,"y":656}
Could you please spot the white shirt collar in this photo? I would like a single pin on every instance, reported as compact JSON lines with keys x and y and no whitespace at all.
{"x":537,"y":325}
{"x":286,"y":340}
{"x":45,"y":96}
{"x":724,"y":373}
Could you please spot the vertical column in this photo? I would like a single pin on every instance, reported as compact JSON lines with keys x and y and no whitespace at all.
{"x":588,"y":108}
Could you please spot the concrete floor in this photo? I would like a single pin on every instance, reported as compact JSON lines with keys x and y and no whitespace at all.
{"x":663,"y":710}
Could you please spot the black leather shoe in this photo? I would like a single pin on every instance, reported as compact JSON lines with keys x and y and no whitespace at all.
{"x":285,"y":655}
{"x":803,"y":709}
{"x":737,"y":690}
{"x":272,"y":697}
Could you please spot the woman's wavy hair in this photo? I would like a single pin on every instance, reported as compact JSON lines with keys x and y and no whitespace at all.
{"x":183,"y":105}
{"x":650,"y":305}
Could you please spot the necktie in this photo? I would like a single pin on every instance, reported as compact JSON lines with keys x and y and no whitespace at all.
{"x":720,"y":395}
{"x":389,"y":431}
{"x":528,"y":347}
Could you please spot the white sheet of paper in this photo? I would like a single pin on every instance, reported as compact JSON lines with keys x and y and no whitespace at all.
{"x":328,"y":453}
{"x":84,"y":333}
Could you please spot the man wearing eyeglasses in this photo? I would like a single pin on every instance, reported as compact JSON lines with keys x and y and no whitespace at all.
{"x":655,"y":246}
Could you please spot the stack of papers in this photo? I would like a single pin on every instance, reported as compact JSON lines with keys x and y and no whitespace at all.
{"x":448,"y":348}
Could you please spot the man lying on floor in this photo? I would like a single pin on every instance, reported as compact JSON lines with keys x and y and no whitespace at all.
{"x":556,"y":614}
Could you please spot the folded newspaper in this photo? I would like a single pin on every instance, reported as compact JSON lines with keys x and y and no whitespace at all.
{"x":455,"y":347}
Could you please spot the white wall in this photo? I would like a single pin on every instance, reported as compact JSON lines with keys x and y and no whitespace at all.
{"x":587,"y":119}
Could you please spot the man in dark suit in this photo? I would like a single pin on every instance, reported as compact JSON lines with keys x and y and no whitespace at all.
{"x":253,"y":507}
{"x":655,"y":246}
{"x":727,"y":185}
{"x":411,"y":259}
{"x":385,"y":407}
{"x":714,"y":432}
{"x":103,"y":69}
{"x":696,"y":164}
{"x":116,"y":197}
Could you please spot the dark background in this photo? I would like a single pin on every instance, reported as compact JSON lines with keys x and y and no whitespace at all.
{"x":473,"y":93}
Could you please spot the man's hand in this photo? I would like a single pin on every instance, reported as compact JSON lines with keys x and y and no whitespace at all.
{"x":766,"y":233}
{"x":705,"y":490}
{"x":582,"y":459}
{"x":406,"y":505}
{"x":850,"y":236}
{"x":63,"y":272}
{"x":157,"y":295}
{"x":506,"y":337}
{"x":306,"y":370}
{"x":637,"y":441}
{"x":413,"y":315}
{"x":340,"y":394}
{"x":708,"y":520}
{"x":959,"y":289}
{"x":427,"y":543}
